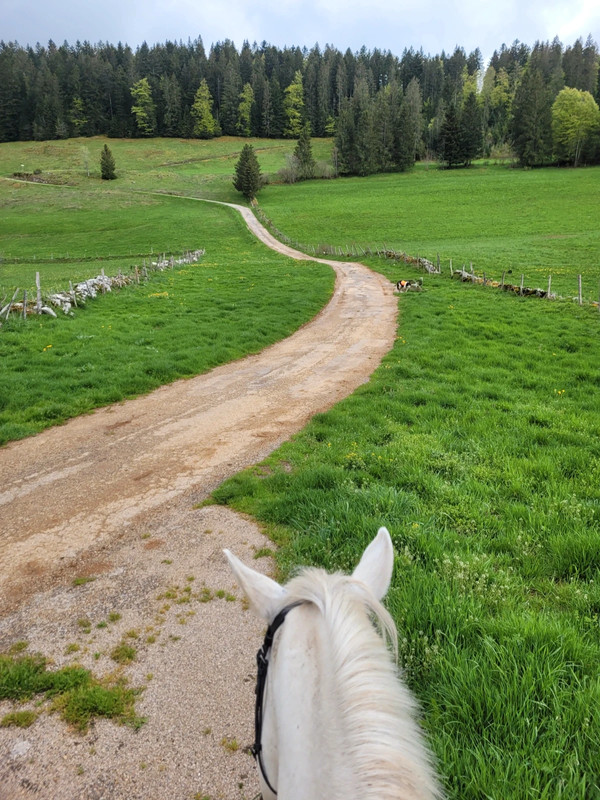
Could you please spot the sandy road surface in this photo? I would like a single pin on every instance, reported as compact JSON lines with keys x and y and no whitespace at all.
{"x":111,"y":495}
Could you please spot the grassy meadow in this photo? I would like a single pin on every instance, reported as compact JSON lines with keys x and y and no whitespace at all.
{"x":476,"y":442}
{"x":236,"y":300}
{"x":536,"y":222}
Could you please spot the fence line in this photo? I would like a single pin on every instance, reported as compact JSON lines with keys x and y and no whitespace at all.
{"x":422,"y":263}
{"x":90,"y":288}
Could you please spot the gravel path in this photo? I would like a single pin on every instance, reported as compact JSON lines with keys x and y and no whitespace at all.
{"x":111,"y":496}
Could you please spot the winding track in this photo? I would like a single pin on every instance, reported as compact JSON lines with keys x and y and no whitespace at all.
{"x":101,"y":476}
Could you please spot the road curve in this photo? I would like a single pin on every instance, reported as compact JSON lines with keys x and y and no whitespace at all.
{"x":100,"y":476}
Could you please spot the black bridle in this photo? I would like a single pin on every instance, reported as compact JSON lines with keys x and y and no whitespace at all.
{"x":262,"y":664}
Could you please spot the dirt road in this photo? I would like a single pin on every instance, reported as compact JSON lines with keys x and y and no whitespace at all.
{"x":85,"y":482}
{"x":110,"y":494}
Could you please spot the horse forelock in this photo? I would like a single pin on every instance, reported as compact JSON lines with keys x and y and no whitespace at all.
{"x":383,"y":742}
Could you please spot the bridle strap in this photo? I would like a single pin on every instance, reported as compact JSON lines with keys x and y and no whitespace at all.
{"x":262,"y":664}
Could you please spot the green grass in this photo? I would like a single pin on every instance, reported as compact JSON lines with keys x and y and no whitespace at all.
{"x":18,"y":719}
{"x":193,"y":167}
{"x":476,"y":442}
{"x":75,"y":693}
{"x":238,"y":299}
{"x":534,"y":222}
{"x":489,"y":481}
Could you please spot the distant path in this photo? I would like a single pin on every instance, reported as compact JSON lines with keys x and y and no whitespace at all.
{"x":103,"y":476}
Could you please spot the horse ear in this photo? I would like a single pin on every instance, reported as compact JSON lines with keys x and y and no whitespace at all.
{"x":264,"y":594}
{"x":376,"y":565}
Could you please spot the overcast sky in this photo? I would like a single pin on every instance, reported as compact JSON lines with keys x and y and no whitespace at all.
{"x":434,"y":25}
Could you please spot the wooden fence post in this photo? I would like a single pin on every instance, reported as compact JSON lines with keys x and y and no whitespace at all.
{"x":451,"y":270}
{"x":549,"y":285}
{"x":6,"y":309}
{"x":580,"y":294}
{"x":38,"y":305}
{"x":522,"y":284}
{"x":25,"y":304}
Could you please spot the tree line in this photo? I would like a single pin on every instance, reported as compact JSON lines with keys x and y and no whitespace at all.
{"x":382,"y":111}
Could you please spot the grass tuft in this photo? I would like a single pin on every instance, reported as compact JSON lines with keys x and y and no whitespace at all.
{"x":75,"y":693}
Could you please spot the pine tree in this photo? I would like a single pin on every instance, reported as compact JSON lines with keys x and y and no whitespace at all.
{"x":171,"y":96}
{"x":293,"y":105}
{"x":244,"y":119}
{"x":144,"y":107}
{"x":451,"y":139}
{"x":107,"y":164}
{"x":471,"y":133}
{"x":303,"y":154}
{"x":247,"y":173}
{"x":345,"y":140}
{"x":205,"y":125}
{"x":228,"y":110}
{"x":531,"y":121}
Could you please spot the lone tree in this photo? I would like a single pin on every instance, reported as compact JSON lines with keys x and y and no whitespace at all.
{"x":107,"y":164}
{"x":247,"y":173}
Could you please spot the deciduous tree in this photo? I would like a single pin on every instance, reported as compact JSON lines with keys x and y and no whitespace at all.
{"x":575,"y":117}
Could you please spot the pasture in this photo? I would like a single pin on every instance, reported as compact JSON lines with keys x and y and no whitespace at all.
{"x":238,"y":299}
{"x":534,"y":222}
{"x":476,"y":442}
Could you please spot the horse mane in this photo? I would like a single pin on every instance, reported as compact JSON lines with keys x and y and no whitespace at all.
{"x":384,"y":743}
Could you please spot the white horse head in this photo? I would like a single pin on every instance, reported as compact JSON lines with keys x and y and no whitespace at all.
{"x":336,"y":722}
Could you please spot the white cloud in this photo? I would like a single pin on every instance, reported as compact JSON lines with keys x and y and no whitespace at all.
{"x":434,"y":25}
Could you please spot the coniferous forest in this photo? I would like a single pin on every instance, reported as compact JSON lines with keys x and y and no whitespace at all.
{"x":383,"y":112}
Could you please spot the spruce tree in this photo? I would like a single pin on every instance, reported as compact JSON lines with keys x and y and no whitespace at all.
{"x":247,"y":173}
{"x":531,"y":121}
{"x":205,"y":125}
{"x":107,"y":164}
{"x":471,"y":133}
{"x":303,"y":154}
{"x":451,"y":138}
{"x":244,"y":119}
{"x":293,"y":105}
{"x":144,"y":107}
